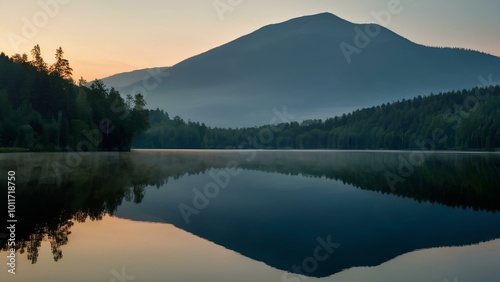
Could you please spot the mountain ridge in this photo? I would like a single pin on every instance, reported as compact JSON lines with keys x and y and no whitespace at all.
{"x":123,"y":79}
{"x":299,"y":64}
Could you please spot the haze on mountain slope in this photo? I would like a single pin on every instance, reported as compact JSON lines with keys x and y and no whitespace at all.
{"x":299,"y":64}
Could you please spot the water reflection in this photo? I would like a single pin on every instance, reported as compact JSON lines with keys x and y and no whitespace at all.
{"x":265,"y":215}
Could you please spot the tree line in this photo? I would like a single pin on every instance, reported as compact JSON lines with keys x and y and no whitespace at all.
{"x":463,"y":120}
{"x":43,"y":109}
{"x":467,"y":181}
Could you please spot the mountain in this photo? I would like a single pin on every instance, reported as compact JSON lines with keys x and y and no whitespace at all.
{"x":125,"y":79}
{"x":474,"y":125}
{"x":275,"y":208}
{"x":280,"y":223}
{"x":299,"y":64}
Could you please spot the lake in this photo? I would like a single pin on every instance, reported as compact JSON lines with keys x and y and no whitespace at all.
{"x":173,"y":215}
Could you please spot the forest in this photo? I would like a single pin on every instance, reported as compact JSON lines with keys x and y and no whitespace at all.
{"x":457,"y":120}
{"x":43,"y":109}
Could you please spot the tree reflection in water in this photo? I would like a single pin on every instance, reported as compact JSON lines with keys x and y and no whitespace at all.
{"x":48,"y":206}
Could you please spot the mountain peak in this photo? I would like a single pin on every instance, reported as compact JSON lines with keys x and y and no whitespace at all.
{"x":318,"y":18}
{"x":325,"y":16}
{"x":299,"y":64}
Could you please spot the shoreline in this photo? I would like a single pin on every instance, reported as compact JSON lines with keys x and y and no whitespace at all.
{"x":496,"y":151}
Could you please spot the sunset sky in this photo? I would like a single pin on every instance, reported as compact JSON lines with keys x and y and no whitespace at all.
{"x":104,"y":37}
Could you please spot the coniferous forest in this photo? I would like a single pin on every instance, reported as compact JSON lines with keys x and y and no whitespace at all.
{"x":458,"y":120}
{"x":42,"y":109}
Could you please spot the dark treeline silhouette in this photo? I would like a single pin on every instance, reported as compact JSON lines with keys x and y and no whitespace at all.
{"x":463,"y":120}
{"x":41,"y":108}
{"x":455,"y":180}
{"x":100,"y":184}
{"x":92,"y":190}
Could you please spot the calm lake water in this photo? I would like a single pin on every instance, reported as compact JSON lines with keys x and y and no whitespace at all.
{"x":255,"y":216}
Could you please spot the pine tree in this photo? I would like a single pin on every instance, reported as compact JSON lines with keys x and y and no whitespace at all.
{"x":37,"y":60}
{"x":18,"y":58}
{"x":61,"y":66}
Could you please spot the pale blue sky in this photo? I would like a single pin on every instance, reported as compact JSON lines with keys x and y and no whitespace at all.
{"x":103,"y":37}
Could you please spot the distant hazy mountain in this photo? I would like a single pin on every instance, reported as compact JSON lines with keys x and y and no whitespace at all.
{"x":125,"y":79}
{"x":300,"y":64}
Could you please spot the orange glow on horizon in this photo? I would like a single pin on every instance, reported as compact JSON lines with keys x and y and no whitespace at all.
{"x":105,"y":39}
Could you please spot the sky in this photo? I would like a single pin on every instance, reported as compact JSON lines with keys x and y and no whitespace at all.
{"x":104,"y":37}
